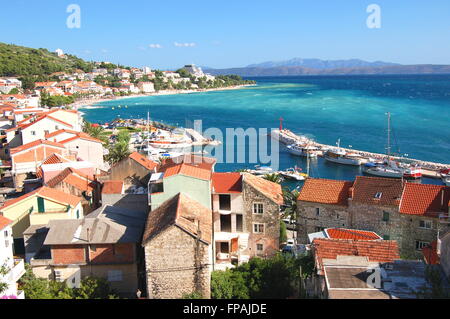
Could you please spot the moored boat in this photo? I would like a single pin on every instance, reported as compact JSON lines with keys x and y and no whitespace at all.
{"x":294,"y":173}
{"x":340,"y":156}
{"x":302,"y":150}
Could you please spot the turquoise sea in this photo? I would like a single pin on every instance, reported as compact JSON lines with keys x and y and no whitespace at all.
{"x":326,"y":108}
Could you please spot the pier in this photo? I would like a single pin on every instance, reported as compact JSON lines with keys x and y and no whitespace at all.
{"x":287,"y":137}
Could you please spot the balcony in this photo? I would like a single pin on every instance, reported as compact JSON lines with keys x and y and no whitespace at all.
{"x":18,"y":270}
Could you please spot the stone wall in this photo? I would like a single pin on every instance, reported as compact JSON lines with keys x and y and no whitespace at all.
{"x":445,"y":254}
{"x":177,"y":264}
{"x":270,"y":239}
{"x":329,"y":216}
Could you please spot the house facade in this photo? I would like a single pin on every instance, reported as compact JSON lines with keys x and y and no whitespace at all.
{"x":13,"y":267}
{"x":394,"y":209}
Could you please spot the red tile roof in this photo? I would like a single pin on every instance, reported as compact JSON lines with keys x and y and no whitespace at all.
{"x":112,"y":187}
{"x":34,"y":144}
{"x":426,"y":200}
{"x":325,"y":191}
{"x":269,"y":189}
{"x":365,"y":188}
{"x":188,"y":170}
{"x":4,"y":222}
{"x":74,"y":178}
{"x":43,"y":117}
{"x":183,"y":212}
{"x":376,"y":251}
{"x":227,"y":183}
{"x":189,"y":159}
{"x":343,"y":233}
{"x":52,"y":159}
{"x":144,"y":161}
{"x":46,"y":192}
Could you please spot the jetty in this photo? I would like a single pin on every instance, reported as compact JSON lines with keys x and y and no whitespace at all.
{"x":287,"y":137}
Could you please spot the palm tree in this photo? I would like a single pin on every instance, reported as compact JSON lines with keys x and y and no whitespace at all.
{"x":97,"y":132}
{"x":275,"y":178}
{"x":118,"y":152}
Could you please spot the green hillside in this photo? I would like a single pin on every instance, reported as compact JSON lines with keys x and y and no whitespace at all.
{"x":22,"y":62}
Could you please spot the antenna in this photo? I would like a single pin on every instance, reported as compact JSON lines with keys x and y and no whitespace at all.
{"x":389,"y":135}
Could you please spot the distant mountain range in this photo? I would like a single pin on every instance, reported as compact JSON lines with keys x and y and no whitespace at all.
{"x":321,"y":64}
{"x":298,"y":66}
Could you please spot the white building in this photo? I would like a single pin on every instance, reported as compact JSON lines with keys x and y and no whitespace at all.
{"x":59,"y":52}
{"x":14,"y":268}
{"x":146,"y":87}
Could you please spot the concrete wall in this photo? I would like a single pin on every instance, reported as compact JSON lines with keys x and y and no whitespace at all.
{"x":87,"y":150}
{"x":197,"y":189}
{"x":170,"y":259}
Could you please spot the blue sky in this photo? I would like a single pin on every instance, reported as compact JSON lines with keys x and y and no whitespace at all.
{"x":232,"y":33}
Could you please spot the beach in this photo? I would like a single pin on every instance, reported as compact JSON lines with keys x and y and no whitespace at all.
{"x":92,"y":101}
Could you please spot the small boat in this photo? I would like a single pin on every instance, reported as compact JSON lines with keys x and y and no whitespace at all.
{"x":342,"y":157}
{"x":294,"y":173}
{"x":262,"y":170}
{"x":382,"y":170}
{"x":302,"y":150}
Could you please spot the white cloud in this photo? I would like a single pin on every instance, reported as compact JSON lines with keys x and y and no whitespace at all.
{"x":155,"y":46}
{"x":191,"y":44}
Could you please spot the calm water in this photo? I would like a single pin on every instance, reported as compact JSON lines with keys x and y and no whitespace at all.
{"x":325,"y":108}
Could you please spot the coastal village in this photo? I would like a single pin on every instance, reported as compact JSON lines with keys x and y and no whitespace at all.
{"x":158,"y":226}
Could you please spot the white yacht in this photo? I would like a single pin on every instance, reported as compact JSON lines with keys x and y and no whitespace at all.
{"x":295,"y":174}
{"x":340,"y":156}
{"x":302,"y":150}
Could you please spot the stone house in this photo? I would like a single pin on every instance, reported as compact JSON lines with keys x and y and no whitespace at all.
{"x":105,"y":244}
{"x":396,"y":210}
{"x":246,"y":218}
{"x":322,"y":204}
{"x":133,"y":170}
{"x":178,"y":251}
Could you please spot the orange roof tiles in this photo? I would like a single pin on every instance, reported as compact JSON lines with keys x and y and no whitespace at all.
{"x":376,"y":251}
{"x":422,"y":199}
{"x":188,"y":170}
{"x":49,"y":193}
{"x":343,"y":233}
{"x":74,"y":178}
{"x":144,"y":161}
{"x":227,"y":183}
{"x":183,"y":212}
{"x":325,"y":191}
{"x":365,"y":188}
{"x":112,"y":187}
{"x":269,"y":189}
{"x":4,"y":222}
{"x":34,"y":144}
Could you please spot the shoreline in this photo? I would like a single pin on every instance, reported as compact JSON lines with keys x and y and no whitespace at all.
{"x":92,"y":102}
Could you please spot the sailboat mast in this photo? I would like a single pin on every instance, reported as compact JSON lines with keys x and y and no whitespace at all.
{"x":148,"y":134}
{"x":389,"y":135}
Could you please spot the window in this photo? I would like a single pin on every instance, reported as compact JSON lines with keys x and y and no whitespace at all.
{"x":225,"y":202}
{"x":258,"y":228}
{"x":115,"y":275}
{"x":56,"y":127}
{"x":317,"y":211}
{"x":5,"y":234}
{"x":386,"y":237}
{"x":319,"y":229}
{"x":33,"y":133}
{"x":225,"y":223}
{"x":258,"y":208}
{"x":239,"y":223}
{"x":421,"y":244}
{"x":385,"y":216}
{"x":58,"y":276}
{"x":427,"y":224}
{"x":259,"y":247}
{"x":6,"y":243}
{"x":378,"y":195}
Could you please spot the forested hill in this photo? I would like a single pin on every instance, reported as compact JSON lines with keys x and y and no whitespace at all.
{"x":22,"y":62}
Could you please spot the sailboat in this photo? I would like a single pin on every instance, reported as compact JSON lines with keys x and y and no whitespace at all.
{"x":390,"y":168}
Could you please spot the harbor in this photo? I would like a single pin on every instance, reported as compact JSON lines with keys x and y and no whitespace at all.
{"x":287,"y":137}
